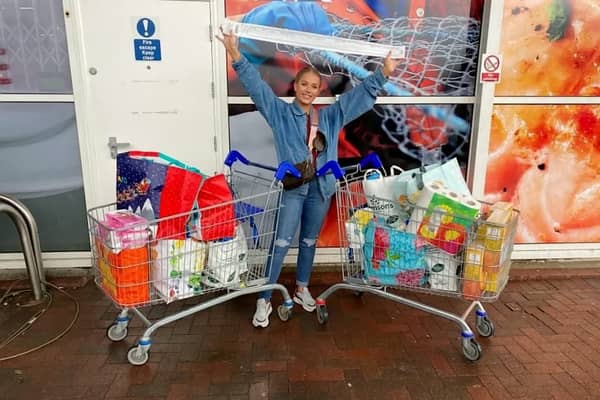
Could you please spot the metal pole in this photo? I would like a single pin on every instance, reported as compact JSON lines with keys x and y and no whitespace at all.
{"x":28,"y":232}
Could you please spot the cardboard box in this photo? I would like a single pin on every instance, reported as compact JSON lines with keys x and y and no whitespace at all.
{"x":495,"y":226}
{"x":495,"y":280}
{"x":473,"y":274}
{"x":491,"y":260}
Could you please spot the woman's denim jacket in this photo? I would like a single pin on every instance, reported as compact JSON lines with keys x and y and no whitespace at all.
{"x":288,"y":121}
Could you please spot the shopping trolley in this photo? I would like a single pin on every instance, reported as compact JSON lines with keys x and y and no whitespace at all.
{"x":401,"y":245}
{"x":138,"y":265}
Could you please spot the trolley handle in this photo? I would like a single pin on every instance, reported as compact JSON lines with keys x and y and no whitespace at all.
{"x":280,"y":172}
{"x":371,"y":159}
{"x":234,"y":156}
{"x":331,"y":167}
{"x":286,"y":168}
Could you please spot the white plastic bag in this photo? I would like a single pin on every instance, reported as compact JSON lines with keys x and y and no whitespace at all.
{"x":381,"y":192}
{"x":177,"y":267}
{"x":227,"y":260}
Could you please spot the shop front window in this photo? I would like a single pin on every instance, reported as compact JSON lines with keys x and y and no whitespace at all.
{"x":39,"y":149}
{"x":40,"y":166}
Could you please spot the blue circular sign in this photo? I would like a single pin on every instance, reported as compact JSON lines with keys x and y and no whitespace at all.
{"x":146,"y":27}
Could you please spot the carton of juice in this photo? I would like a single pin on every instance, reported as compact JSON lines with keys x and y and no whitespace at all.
{"x":473,"y":274}
{"x":495,"y":226}
{"x":494,"y":280}
{"x":491,"y":260}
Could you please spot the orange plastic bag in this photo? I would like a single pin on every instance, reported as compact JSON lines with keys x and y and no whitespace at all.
{"x":125,"y":275}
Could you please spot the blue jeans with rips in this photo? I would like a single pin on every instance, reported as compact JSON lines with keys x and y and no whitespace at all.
{"x":304,"y":206}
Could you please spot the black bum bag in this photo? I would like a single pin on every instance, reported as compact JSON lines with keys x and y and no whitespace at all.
{"x":307,"y":173}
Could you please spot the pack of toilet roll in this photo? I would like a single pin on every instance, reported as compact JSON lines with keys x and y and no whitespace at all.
{"x":443,"y":217}
{"x":442,"y":270}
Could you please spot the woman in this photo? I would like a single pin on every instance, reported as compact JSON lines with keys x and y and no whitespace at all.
{"x":297,"y":142}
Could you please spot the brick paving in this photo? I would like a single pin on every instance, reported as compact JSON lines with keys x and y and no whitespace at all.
{"x":546,"y":346}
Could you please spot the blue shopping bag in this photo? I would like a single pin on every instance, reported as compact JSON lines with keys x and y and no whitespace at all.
{"x":391,"y":257}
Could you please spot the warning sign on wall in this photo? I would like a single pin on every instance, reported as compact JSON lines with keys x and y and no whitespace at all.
{"x":147,"y":48}
{"x":490,"y":70}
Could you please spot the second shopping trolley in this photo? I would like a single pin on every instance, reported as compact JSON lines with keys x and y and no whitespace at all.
{"x":437,"y":245}
{"x":223,"y":248}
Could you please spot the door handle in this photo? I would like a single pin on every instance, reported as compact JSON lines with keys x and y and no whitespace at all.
{"x":113,"y":145}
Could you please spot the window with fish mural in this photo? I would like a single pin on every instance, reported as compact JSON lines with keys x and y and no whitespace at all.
{"x":550,"y":48}
{"x":545,"y":158}
{"x":441,"y":43}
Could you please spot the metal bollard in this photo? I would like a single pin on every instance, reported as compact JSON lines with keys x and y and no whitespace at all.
{"x":28,"y":232}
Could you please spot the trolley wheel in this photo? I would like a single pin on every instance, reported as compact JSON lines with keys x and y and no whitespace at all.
{"x":322,"y":314}
{"x":471,"y":349}
{"x":283,"y":312}
{"x":116,"y":333}
{"x":485,"y":327}
{"x":137,"y":356}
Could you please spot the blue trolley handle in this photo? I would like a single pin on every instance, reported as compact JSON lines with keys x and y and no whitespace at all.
{"x":332,"y":167}
{"x":280,"y":172}
{"x":371,"y":159}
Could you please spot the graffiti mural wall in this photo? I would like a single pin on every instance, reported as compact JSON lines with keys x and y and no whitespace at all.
{"x":441,"y":40}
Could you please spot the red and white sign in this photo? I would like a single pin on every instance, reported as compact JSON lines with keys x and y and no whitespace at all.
{"x":4,"y":80}
{"x":490,"y":71}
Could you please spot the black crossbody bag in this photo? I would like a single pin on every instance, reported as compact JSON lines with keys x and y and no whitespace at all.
{"x":306,"y":167}
{"x":307,"y":174}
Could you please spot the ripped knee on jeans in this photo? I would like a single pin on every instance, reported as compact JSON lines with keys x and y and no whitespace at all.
{"x":282,"y":242}
{"x":309,"y":242}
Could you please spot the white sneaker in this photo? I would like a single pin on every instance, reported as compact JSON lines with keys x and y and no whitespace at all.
{"x":305,"y":300}
{"x":261,"y":316}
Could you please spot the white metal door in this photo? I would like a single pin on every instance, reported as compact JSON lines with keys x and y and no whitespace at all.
{"x":145,"y":79}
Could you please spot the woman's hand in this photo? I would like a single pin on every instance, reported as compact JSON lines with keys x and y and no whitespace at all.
{"x":230,"y":41}
{"x":389,"y":64}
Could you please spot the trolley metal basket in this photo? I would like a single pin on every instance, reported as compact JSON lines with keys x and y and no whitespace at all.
{"x":136,"y":266}
{"x":382,"y":251}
